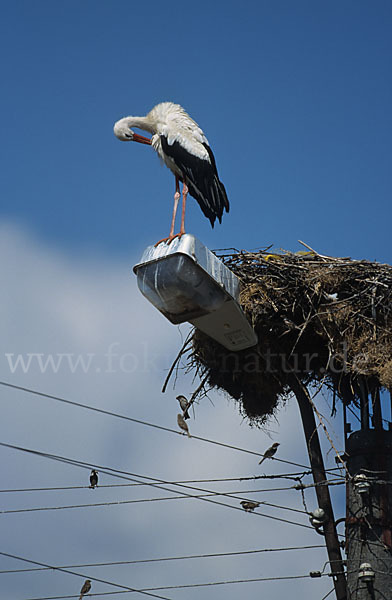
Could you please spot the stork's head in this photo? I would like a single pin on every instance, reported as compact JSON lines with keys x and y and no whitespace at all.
{"x":124,"y":133}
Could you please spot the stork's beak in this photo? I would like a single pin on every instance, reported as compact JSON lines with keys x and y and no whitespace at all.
{"x":141,"y":139}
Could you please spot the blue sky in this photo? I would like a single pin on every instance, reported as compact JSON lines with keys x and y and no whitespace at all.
{"x":294,"y":97}
{"x":295,"y":100}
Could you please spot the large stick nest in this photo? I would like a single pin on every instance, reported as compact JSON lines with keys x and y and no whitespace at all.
{"x":327,"y":320}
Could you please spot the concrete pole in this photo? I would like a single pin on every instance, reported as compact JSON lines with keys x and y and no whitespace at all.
{"x":369,"y":514}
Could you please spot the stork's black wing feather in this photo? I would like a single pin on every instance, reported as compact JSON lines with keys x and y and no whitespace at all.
{"x":201,"y":177}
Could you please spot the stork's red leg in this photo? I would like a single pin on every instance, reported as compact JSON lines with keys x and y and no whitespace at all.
{"x":184,"y":197}
{"x":176,"y":199}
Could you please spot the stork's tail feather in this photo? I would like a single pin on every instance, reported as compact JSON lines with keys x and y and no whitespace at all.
{"x":211,"y":197}
{"x":223,"y":198}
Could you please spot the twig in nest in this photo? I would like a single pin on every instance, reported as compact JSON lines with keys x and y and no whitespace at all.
{"x":197,"y":390}
{"x":188,"y":341}
{"x":314,"y":251}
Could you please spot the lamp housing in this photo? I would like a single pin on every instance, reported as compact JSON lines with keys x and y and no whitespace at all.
{"x":185,"y":281}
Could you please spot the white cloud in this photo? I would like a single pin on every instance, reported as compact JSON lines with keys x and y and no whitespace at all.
{"x":53,"y":304}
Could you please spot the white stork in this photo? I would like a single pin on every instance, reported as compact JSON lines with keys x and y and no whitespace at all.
{"x":183,"y":147}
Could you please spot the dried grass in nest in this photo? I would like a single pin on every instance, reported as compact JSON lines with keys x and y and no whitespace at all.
{"x":326,"y":319}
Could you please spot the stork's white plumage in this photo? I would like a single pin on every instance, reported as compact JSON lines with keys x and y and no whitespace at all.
{"x":183,"y":147}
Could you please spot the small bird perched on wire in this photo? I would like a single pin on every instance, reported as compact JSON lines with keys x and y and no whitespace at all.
{"x":93,"y":479}
{"x":86,"y":587}
{"x":182,"y":424}
{"x":184,"y":406}
{"x":270,"y":452}
{"x":249,"y":506}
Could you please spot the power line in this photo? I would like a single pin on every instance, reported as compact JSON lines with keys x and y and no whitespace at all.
{"x":142,"y":500}
{"x":294,"y":476}
{"x":139,"y":484}
{"x":142,"y":483}
{"x":195,"y":585}
{"x":304,"y":486}
{"x":133,"y":420}
{"x":158,"y":483}
{"x":169,"y":558}
{"x":148,"y":591}
{"x":117,"y":472}
{"x":153,"y":482}
{"x":124,"y":587}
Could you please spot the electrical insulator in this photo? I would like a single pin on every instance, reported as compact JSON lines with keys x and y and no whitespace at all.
{"x":361,"y":483}
{"x":366,"y":573}
{"x":315,"y":574}
{"x":318,"y":517}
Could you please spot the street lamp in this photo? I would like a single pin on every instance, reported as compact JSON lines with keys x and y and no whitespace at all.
{"x":185,"y":281}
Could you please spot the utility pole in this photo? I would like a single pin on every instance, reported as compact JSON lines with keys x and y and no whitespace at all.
{"x":369,"y":505}
{"x":322,"y":490}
